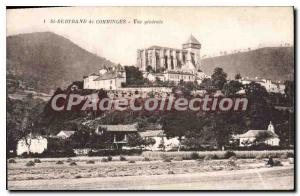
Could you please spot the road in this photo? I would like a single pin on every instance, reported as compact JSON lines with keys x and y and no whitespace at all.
{"x":280,"y":178}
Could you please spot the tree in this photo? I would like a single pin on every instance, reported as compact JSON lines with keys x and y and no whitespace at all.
{"x":238,"y":76}
{"x":219,"y":78}
{"x":231,"y":88}
{"x":289,"y":91}
{"x":133,"y":76}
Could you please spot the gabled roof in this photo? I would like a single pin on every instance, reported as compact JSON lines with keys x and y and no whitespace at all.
{"x":255,"y":133}
{"x":120,"y":128}
{"x":192,"y":40}
{"x":109,"y":75}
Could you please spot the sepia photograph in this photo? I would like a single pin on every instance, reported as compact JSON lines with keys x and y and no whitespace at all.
{"x":150,"y":98}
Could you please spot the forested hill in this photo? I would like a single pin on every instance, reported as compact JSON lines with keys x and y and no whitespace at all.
{"x":276,"y":63}
{"x":46,"y":60}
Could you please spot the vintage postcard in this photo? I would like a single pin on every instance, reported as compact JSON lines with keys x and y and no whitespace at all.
{"x":150,"y":98}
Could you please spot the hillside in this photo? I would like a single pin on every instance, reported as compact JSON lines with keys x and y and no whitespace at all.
{"x":45,"y":60}
{"x":276,"y":63}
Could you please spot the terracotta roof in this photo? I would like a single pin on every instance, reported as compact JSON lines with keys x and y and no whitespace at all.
{"x":255,"y":133}
{"x":120,"y":128}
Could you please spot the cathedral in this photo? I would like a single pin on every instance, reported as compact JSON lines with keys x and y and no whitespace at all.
{"x":160,"y":58}
{"x":171,"y":64}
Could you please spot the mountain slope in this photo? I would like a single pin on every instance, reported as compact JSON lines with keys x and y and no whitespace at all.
{"x":46,"y":60}
{"x":276,"y":63}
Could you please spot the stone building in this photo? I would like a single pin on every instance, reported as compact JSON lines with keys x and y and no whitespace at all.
{"x":268,"y":137}
{"x":160,"y":58}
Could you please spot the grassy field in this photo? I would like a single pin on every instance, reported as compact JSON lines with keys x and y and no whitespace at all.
{"x":20,"y":174}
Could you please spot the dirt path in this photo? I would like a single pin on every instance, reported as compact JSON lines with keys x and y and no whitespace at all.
{"x":281,"y":178}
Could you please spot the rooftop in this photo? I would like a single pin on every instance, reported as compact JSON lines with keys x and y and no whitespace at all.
{"x":120,"y":128}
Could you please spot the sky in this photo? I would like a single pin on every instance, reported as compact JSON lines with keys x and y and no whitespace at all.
{"x":216,"y":28}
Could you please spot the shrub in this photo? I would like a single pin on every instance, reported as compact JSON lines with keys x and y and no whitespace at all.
{"x":59,"y":162}
{"x":195,"y":156}
{"x":69,"y":160}
{"x":229,"y":154}
{"x":78,"y":176}
{"x":104,"y":160}
{"x":30,"y":163}
{"x":90,"y":162}
{"x":122,"y":158}
{"x":131,"y":161}
{"x":277,"y":163}
{"x":290,"y":154}
{"x":146,"y":159}
{"x":12,"y":161}
{"x":109,"y":158}
{"x":37,"y":160}
{"x":73,"y":163}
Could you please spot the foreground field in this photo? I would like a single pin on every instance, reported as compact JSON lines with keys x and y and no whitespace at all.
{"x":188,"y":174}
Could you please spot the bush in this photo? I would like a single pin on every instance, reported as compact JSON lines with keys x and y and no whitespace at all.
{"x":73,"y":163}
{"x":78,"y":176}
{"x":37,"y":160}
{"x":122,"y":158}
{"x":194,"y":156}
{"x":109,"y":158}
{"x":131,"y":161}
{"x":30,"y":163}
{"x":146,"y":159}
{"x":12,"y":161}
{"x":90,"y":162}
{"x":277,"y":163}
{"x":69,"y":160}
{"x":229,"y":154}
{"x":59,"y":162}
{"x":104,"y":160}
{"x":290,"y":155}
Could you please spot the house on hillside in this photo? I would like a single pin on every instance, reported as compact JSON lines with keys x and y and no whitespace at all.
{"x":64,"y":134}
{"x":32,"y":144}
{"x":268,"y":137}
{"x":119,"y":132}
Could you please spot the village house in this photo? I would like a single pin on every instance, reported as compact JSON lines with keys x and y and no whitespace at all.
{"x":119,"y":133}
{"x":107,"y":79}
{"x":271,"y":86}
{"x":32,"y":144}
{"x":162,"y":143}
{"x":268,"y":137}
